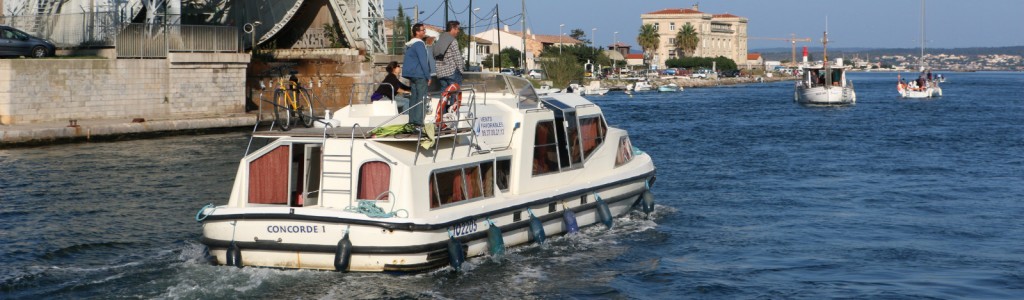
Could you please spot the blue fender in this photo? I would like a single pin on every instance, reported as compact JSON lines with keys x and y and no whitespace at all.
{"x":495,"y":240}
{"x":648,"y":201}
{"x":536,"y":228}
{"x":455,"y":255}
{"x":603,"y":212}
{"x":570,"y":221}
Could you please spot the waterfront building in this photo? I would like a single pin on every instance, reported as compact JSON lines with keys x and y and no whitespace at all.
{"x":720,"y":34}
{"x":754,"y":61}
{"x":535,"y":43}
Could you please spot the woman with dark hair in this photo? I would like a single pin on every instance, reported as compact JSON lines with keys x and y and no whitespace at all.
{"x":392,"y":88}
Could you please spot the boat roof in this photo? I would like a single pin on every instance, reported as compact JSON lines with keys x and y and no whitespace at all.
{"x":348,"y":132}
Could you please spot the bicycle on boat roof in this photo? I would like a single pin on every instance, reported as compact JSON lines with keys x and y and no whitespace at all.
{"x":292,"y":104}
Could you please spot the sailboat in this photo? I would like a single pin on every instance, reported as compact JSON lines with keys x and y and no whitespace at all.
{"x":925,"y":86}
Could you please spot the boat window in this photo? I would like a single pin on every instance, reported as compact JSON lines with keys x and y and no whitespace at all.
{"x":545,"y":151}
{"x":462,"y":183}
{"x":568,"y":141}
{"x":485,"y":82}
{"x":313,"y":160}
{"x":625,"y":152}
{"x":287,"y":175}
{"x":503,"y":172}
{"x":592,"y":131}
{"x":374,"y":181}
{"x":573,"y":135}
{"x":524,"y":89}
{"x":487,"y":172}
{"x":268,"y":177}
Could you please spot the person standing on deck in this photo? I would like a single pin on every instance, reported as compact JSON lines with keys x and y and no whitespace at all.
{"x":417,"y":68}
{"x":448,"y":56}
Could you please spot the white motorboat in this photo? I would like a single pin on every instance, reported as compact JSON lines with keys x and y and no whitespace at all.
{"x":670,"y":87}
{"x":503,"y":167}
{"x":639,"y":86}
{"x":825,"y":84}
{"x":594,"y":88}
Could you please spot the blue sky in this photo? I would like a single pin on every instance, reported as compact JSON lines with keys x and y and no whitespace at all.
{"x":851,"y":23}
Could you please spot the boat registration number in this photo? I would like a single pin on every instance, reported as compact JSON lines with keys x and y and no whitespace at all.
{"x":463,"y":228}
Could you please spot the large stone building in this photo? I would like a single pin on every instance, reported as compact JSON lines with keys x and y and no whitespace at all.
{"x":720,"y":34}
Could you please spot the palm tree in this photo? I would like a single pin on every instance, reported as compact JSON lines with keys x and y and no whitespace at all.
{"x":687,"y":40}
{"x":648,"y":39}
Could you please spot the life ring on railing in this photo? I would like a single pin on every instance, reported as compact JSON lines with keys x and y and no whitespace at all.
{"x":451,"y":100}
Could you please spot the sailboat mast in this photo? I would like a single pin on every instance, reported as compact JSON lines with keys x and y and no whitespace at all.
{"x":920,"y":60}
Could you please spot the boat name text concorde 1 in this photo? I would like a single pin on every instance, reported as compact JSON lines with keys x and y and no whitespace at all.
{"x":296,"y":229}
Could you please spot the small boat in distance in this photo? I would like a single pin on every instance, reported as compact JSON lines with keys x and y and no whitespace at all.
{"x":364,"y":191}
{"x":670,"y":87}
{"x":594,"y":88}
{"x":926,"y":85}
{"x":639,"y":86}
{"x":825,"y":84}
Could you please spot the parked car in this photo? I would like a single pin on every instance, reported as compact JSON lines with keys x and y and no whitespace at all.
{"x":730,"y":73}
{"x":669,"y":72}
{"x":536,"y":74}
{"x":507,"y":71}
{"x":14,"y":42}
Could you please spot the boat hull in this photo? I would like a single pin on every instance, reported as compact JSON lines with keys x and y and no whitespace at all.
{"x":307,"y":238}
{"x":825,"y":95}
{"x":921,"y":94}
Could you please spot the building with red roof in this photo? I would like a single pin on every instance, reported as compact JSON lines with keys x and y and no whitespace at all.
{"x":720,"y":34}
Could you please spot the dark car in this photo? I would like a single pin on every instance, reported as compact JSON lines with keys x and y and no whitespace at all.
{"x":730,"y":73}
{"x":14,"y":42}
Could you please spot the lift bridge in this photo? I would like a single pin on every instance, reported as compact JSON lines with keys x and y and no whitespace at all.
{"x":77,"y":23}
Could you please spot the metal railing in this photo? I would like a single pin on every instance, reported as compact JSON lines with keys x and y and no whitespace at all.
{"x":157,"y":40}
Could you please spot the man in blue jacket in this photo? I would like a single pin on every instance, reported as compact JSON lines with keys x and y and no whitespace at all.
{"x":417,"y":67}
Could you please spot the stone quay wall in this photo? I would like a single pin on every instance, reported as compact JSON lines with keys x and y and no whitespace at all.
{"x":184,"y":85}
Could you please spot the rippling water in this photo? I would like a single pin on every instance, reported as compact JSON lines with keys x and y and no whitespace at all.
{"x":758,"y":197}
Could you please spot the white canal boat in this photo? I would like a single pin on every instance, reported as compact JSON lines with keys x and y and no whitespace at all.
{"x":510,"y":168}
{"x":825,"y":84}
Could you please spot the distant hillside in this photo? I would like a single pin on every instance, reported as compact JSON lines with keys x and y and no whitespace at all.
{"x":784,"y":53}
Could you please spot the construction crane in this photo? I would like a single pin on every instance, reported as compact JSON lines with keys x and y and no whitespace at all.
{"x":792,"y":39}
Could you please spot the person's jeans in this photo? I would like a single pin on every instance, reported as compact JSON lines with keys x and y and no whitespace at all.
{"x":419,"y":90}
{"x":446,"y":81}
{"x":402,"y":103}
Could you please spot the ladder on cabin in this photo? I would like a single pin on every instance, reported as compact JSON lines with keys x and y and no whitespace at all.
{"x":337,"y":167}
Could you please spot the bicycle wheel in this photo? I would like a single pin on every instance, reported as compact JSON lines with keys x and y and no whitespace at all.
{"x":282,"y":113}
{"x":305,"y":110}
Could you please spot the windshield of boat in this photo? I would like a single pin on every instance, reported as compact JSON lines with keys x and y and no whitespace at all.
{"x":504,"y":84}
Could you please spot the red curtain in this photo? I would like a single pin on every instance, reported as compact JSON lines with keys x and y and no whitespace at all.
{"x":374,"y":179}
{"x":268,"y":177}
{"x":589,"y":130}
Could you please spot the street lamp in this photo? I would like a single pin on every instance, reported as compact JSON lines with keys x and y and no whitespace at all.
{"x":560,"y":38}
{"x":593,"y":43}
{"x":615,"y":47}
{"x":250,"y":28}
{"x":471,"y":48}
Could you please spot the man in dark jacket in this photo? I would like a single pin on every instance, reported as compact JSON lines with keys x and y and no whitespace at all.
{"x":417,"y":68}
